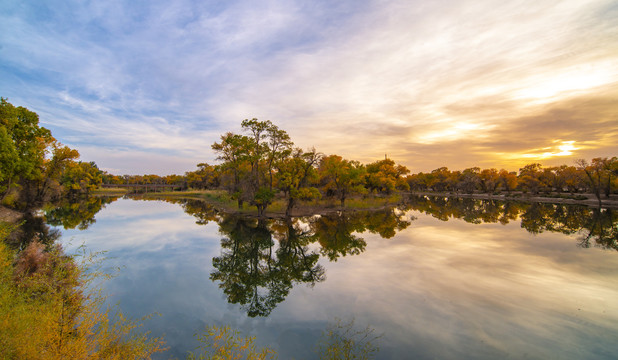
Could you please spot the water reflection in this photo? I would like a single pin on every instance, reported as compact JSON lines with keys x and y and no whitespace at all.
{"x":255,"y":275}
{"x":71,"y":214}
{"x":436,"y":289}
{"x":596,"y":227}
{"x":33,"y":227}
{"x":261,"y":260}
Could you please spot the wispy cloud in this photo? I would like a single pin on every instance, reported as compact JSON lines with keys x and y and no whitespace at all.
{"x":358,"y":78}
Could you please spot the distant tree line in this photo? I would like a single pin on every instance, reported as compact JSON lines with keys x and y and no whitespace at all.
{"x":34,"y":166}
{"x":262,"y":163}
{"x":598,"y":177}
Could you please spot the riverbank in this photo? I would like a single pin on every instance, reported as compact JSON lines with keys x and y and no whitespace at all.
{"x":223,"y":202}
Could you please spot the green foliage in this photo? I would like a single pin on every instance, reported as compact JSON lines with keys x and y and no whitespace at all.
{"x":33,"y":164}
{"x":306,"y":193}
{"x":223,"y":343}
{"x":341,"y":341}
{"x":263,"y":197}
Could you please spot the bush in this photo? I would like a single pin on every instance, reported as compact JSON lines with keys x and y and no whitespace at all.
{"x":46,"y":312}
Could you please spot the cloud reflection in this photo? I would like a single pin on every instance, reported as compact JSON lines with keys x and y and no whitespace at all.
{"x":438,"y":289}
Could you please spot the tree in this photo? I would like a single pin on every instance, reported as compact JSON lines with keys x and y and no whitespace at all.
{"x":529,"y":177}
{"x":341,"y":176}
{"x":610,"y":167}
{"x":205,"y":177}
{"x":469,"y":180}
{"x":508,"y":180}
{"x":295,"y":175}
{"x":81,"y":178}
{"x":441,"y":178}
{"x":489,"y":180}
{"x":596,"y":172}
{"x":385,"y":176}
{"x":52,"y":170}
{"x":233,"y":150}
{"x":24,"y":144}
{"x":279,"y":148}
{"x":571,"y":177}
{"x":270,"y":144}
{"x":259,"y":131}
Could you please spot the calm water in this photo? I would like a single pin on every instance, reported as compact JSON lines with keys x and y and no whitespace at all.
{"x":494,"y":281}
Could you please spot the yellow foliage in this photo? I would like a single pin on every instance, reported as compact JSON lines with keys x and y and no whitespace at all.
{"x":44,"y":313}
{"x":223,"y":343}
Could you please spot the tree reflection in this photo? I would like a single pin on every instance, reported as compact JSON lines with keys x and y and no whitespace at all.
{"x":602,"y":227}
{"x":336,"y":235}
{"x":261,"y":260}
{"x":32,"y":228}
{"x":255,"y":275}
{"x":68,"y":214}
{"x":594,"y":225}
{"x":76,"y":214}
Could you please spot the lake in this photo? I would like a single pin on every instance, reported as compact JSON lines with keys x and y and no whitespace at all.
{"x":438,"y":279}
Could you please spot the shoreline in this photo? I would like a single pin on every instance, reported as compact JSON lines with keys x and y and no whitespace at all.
{"x":590,"y":201}
{"x":13,"y":216}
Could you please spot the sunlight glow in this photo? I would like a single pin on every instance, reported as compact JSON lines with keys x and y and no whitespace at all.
{"x":565,"y":148}
{"x":451,"y":133}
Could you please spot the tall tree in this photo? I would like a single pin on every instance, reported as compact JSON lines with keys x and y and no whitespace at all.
{"x":295,"y":175}
{"x":279,"y":148}
{"x":596,"y":173}
{"x":233,"y":150}
{"x":258,"y":132}
{"x":508,"y":179}
{"x":23,"y":143}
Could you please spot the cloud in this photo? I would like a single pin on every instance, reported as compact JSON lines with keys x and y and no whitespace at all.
{"x":358,"y":78}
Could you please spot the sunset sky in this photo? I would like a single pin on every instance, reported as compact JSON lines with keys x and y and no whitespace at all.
{"x":147,"y":86}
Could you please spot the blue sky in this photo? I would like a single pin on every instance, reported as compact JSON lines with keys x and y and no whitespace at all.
{"x":147,"y":86}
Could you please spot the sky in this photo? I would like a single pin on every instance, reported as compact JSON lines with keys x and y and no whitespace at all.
{"x":147,"y":86}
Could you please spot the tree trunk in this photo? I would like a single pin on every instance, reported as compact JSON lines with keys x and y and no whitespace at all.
{"x":288,"y":210}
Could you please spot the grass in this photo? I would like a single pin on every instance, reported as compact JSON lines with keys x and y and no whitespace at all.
{"x":110,"y":191}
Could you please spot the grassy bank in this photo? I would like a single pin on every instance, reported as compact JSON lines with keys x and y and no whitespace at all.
{"x":46,"y":311}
